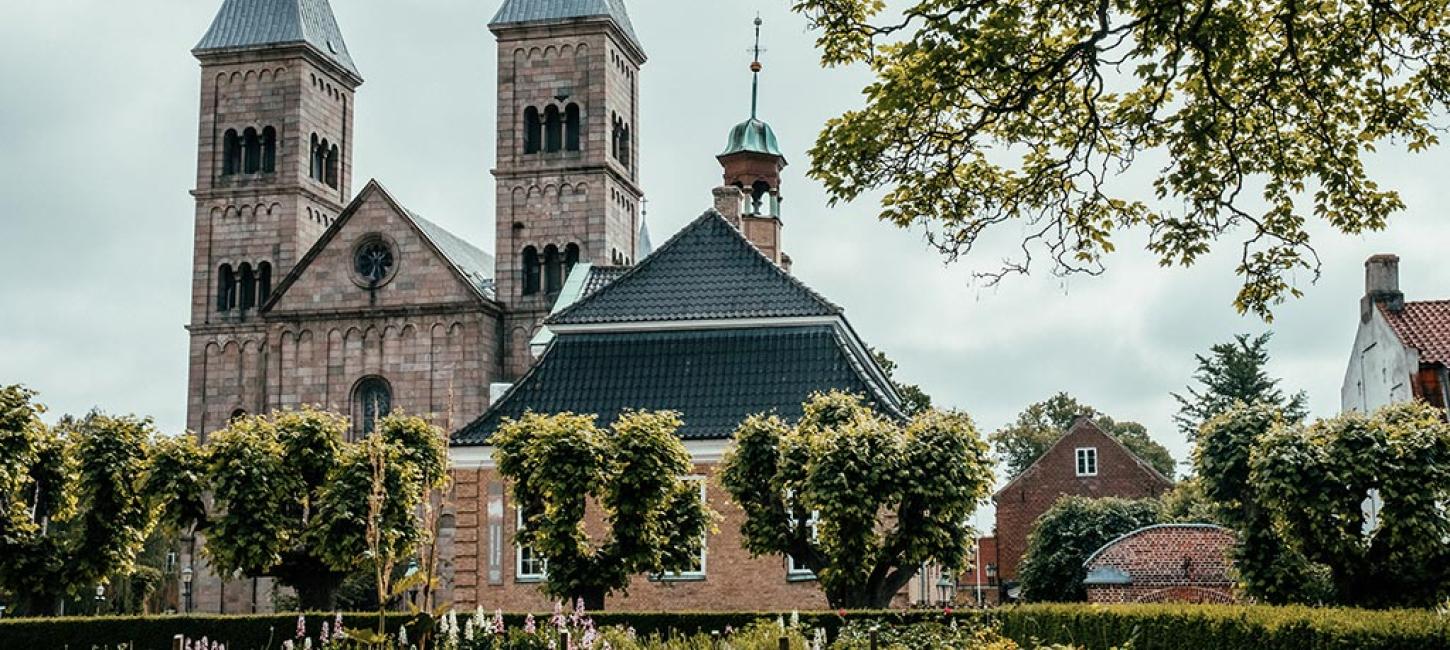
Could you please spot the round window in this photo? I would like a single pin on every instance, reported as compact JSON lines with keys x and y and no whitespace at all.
{"x":374,"y":262}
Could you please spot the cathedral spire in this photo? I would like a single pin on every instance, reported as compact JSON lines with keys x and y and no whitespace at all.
{"x":245,"y":25}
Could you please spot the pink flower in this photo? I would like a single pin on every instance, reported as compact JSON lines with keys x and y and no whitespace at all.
{"x":529,"y":624}
{"x":498,"y":621}
{"x":324,"y":635}
{"x":301,"y":626}
{"x":337,"y":626}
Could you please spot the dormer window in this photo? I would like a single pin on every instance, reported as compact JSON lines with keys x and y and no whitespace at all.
{"x":1087,"y":461}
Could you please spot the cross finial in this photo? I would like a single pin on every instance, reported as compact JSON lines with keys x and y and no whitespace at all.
{"x":755,"y":70}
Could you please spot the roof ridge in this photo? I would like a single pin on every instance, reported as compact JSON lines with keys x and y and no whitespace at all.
{"x":1079,"y":422}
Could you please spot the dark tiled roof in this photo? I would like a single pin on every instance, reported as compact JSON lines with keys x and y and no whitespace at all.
{"x":540,"y":11}
{"x":707,"y":271}
{"x":242,"y":24}
{"x":472,"y":263}
{"x":600,"y":276}
{"x":714,"y":378}
{"x":1425,"y":326}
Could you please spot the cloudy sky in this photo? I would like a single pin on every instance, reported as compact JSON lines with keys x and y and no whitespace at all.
{"x":98,"y":110}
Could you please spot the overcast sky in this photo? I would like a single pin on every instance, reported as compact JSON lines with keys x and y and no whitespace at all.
{"x":98,"y":110}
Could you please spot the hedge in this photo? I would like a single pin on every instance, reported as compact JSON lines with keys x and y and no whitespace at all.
{"x":1094,"y":627}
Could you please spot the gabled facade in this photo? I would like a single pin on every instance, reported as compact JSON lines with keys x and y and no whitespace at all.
{"x":1401,"y":348}
{"x":1085,"y":462}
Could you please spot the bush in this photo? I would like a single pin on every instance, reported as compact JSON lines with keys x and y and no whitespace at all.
{"x":1092,"y":627}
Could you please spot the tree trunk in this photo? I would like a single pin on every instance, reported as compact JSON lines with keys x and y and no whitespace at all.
{"x":593,"y":598}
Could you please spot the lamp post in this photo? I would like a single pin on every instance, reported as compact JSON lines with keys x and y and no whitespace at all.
{"x":100,"y":597}
{"x":186,"y":575}
{"x":946,"y":588}
{"x":411,"y":572}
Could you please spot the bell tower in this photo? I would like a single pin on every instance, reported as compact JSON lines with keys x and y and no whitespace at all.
{"x":567,"y":164}
{"x":274,"y":168}
{"x":752,"y":162}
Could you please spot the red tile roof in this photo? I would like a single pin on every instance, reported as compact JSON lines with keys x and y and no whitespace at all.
{"x":1425,"y":326}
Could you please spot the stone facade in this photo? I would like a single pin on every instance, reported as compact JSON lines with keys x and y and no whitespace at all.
{"x":1115,"y":472}
{"x":1164,"y":563}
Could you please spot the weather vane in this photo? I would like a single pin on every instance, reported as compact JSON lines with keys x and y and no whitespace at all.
{"x":755,"y":69}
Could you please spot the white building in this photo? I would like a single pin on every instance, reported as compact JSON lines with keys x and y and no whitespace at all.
{"x":1402,"y":349}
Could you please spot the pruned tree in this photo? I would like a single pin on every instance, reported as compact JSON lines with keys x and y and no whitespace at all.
{"x":861,"y":500}
{"x":71,"y":509}
{"x":1235,"y":372}
{"x":652,"y":520}
{"x":1254,"y":119}
{"x":289,"y":497}
{"x":1072,"y":529}
{"x":1365,"y":496}
{"x":1269,"y":570}
{"x":1040,"y":425}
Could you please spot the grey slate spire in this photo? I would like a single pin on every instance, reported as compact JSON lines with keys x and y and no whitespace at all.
{"x":255,"y":24}
{"x":514,"y":12}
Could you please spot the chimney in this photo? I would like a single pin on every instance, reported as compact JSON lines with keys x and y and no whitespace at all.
{"x":730,"y":202}
{"x":1382,"y":284}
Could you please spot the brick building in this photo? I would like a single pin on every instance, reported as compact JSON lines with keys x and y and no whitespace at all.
{"x":1401,"y":348}
{"x":1164,"y":563}
{"x":306,"y":294}
{"x":1085,"y":462}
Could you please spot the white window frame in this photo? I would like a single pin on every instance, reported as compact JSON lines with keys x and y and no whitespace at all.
{"x":799,"y":572}
{"x":519,"y":574}
{"x":704,"y":541}
{"x":1086,"y":461}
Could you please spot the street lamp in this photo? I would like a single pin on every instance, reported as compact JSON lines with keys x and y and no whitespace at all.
{"x":946,"y":588}
{"x":186,"y":576}
{"x":100,"y":597}
{"x":412,"y":571}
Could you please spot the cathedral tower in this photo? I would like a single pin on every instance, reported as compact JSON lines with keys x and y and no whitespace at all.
{"x":567,"y":166}
{"x":753,"y":162}
{"x":273,"y":170}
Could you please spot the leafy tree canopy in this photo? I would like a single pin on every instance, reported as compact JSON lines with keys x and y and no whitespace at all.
{"x":558,"y":465}
{"x":860,"y":500}
{"x":290,"y":496}
{"x":1037,"y":427}
{"x":1052,"y":568}
{"x":1321,"y":481}
{"x":71,"y":510}
{"x":1254,"y":117}
{"x":1234,"y":372}
{"x":1269,"y":569}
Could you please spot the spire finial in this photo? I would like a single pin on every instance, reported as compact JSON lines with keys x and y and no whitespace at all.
{"x":755,"y":70}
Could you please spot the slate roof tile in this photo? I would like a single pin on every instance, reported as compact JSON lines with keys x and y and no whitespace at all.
{"x":241,"y":24}
{"x":713,"y":378}
{"x":707,"y":271}
{"x":531,"y":11}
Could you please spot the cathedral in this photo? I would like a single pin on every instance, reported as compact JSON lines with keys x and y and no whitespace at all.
{"x":306,"y":293}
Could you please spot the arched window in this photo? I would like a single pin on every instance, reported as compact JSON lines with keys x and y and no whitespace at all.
{"x":315,"y":172}
{"x":553,"y":129}
{"x":571,"y":127}
{"x":248,"y":283}
{"x":231,"y":153}
{"x":226,"y":288}
{"x":758,"y":192}
{"x":553,"y":279}
{"x":624,"y":145}
{"x":264,"y":283}
{"x":614,"y":133}
{"x":251,"y":151}
{"x":531,"y":271}
{"x":533,"y":130}
{"x":332,"y":166}
{"x":571,"y":257}
{"x":372,"y":401}
{"x":269,"y":150}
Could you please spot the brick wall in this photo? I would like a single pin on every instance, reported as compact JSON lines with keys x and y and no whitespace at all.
{"x":486,"y":561}
{"x":1165,"y":563}
{"x":1024,"y":499}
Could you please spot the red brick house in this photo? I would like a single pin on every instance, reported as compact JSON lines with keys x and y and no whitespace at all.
{"x":1085,"y":462}
{"x":1185,"y":563}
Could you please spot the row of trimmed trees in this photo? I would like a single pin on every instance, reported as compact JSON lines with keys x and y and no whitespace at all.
{"x":280,"y":496}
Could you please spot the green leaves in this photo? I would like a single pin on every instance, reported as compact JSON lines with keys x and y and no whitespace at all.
{"x":1058,"y":547}
{"x":885,"y":497}
{"x":1039,"y":426}
{"x":1257,"y":117}
{"x":559,"y":464}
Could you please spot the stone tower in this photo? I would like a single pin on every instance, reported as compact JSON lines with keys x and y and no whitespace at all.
{"x":752,"y":162}
{"x":567,"y":165}
{"x":273,"y":170}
